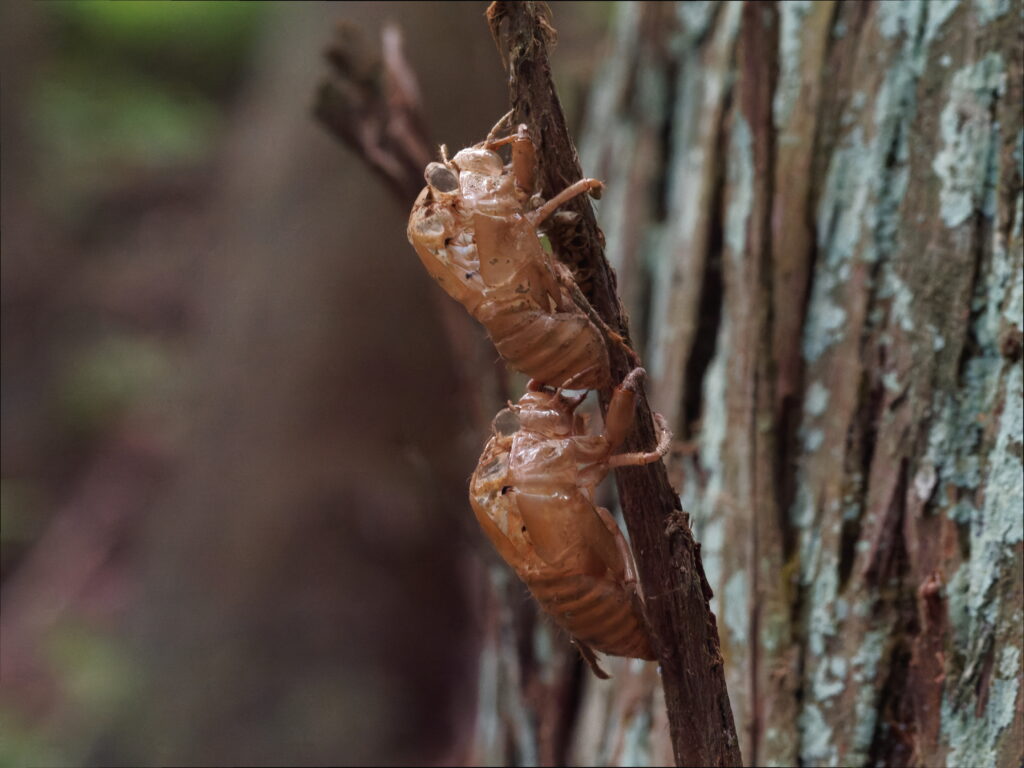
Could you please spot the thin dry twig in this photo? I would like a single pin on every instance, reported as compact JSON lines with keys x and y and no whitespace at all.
{"x":372,"y":103}
{"x":668,"y":558}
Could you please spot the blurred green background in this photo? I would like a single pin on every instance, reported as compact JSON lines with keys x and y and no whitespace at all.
{"x":113,"y":112}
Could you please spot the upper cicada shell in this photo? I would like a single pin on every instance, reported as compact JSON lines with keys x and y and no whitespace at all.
{"x":474,"y":227}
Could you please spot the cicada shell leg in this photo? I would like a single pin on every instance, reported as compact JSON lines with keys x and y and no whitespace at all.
{"x":524,"y":161}
{"x":646,"y":457}
{"x":490,"y":141}
{"x":591,"y":658}
{"x":524,"y":156}
{"x":581,"y":187}
{"x":619,"y":418}
{"x":576,"y":381}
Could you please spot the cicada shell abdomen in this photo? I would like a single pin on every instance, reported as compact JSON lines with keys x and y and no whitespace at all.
{"x":597,"y":612}
{"x":549,"y":344}
{"x":564,"y":349}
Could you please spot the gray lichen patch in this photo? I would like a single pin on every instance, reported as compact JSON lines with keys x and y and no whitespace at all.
{"x":966,"y":162}
{"x":975,"y":740}
{"x":787,"y":90}
{"x":741,"y":186}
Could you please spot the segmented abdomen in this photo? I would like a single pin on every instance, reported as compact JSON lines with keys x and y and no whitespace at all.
{"x":597,"y":612}
{"x":555,"y":348}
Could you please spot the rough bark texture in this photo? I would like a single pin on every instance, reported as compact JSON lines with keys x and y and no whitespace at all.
{"x":815,"y":210}
{"x":668,"y":559}
{"x":815,"y":214}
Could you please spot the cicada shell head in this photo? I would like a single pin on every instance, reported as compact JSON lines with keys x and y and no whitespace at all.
{"x":438,"y":234}
{"x":430,"y":224}
{"x":433,"y":220}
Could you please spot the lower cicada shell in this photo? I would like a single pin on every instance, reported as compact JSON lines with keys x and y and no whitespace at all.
{"x":474,"y":227}
{"x":533,"y":495}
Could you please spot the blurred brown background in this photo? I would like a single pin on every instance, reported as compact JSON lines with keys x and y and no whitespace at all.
{"x":234,"y":518}
{"x":237,"y":427}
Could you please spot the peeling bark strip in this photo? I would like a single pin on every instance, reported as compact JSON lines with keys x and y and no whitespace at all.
{"x":668,"y":559}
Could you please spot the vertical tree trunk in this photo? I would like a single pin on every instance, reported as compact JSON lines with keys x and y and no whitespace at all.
{"x":815,"y":211}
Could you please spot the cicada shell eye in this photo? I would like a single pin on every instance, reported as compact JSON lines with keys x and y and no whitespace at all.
{"x":506,"y":422}
{"x":443,"y":181}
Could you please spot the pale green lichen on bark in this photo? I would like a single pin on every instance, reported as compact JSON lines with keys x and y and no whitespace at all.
{"x":975,"y":740}
{"x":703,"y":496}
{"x":812,"y":439}
{"x":859,"y":222}
{"x":488,"y":731}
{"x":824,"y":588}
{"x":816,"y":400}
{"x":636,"y":748}
{"x":817,"y":746}
{"x":996,"y":526}
{"x":839,"y":230}
{"x":698,"y":93}
{"x":990,"y":10}
{"x":737,"y":600}
{"x":956,"y":438}
{"x":787,"y":89}
{"x":741,"y":188}
{"x":775,"y":627}
{"x":864,"y":232}
{"x":610,"y":146}
{"x":856,"y":220}
{"x":815,"y":405}
{"x":966,"y":164}
{"x":736,"y":614}
{"x":976,"y":443}
{"x":501,"y":714}
{"x":864,"y":665}
{"x":829,"y":679}
{"x":695,"y":18}
{"x":858,"y":212}
{"x":904,"y":17}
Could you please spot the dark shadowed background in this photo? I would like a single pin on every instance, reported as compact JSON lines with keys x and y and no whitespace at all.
{"x":234,"y":519}
{"x":238,"y":420}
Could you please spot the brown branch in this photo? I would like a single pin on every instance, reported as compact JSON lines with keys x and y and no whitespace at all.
{"x":372,"y":103}
{"x":668,"y":558}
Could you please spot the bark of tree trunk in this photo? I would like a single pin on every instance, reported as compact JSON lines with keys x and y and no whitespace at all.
{"x":683,"y":630}
{"x":815,"y":213}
